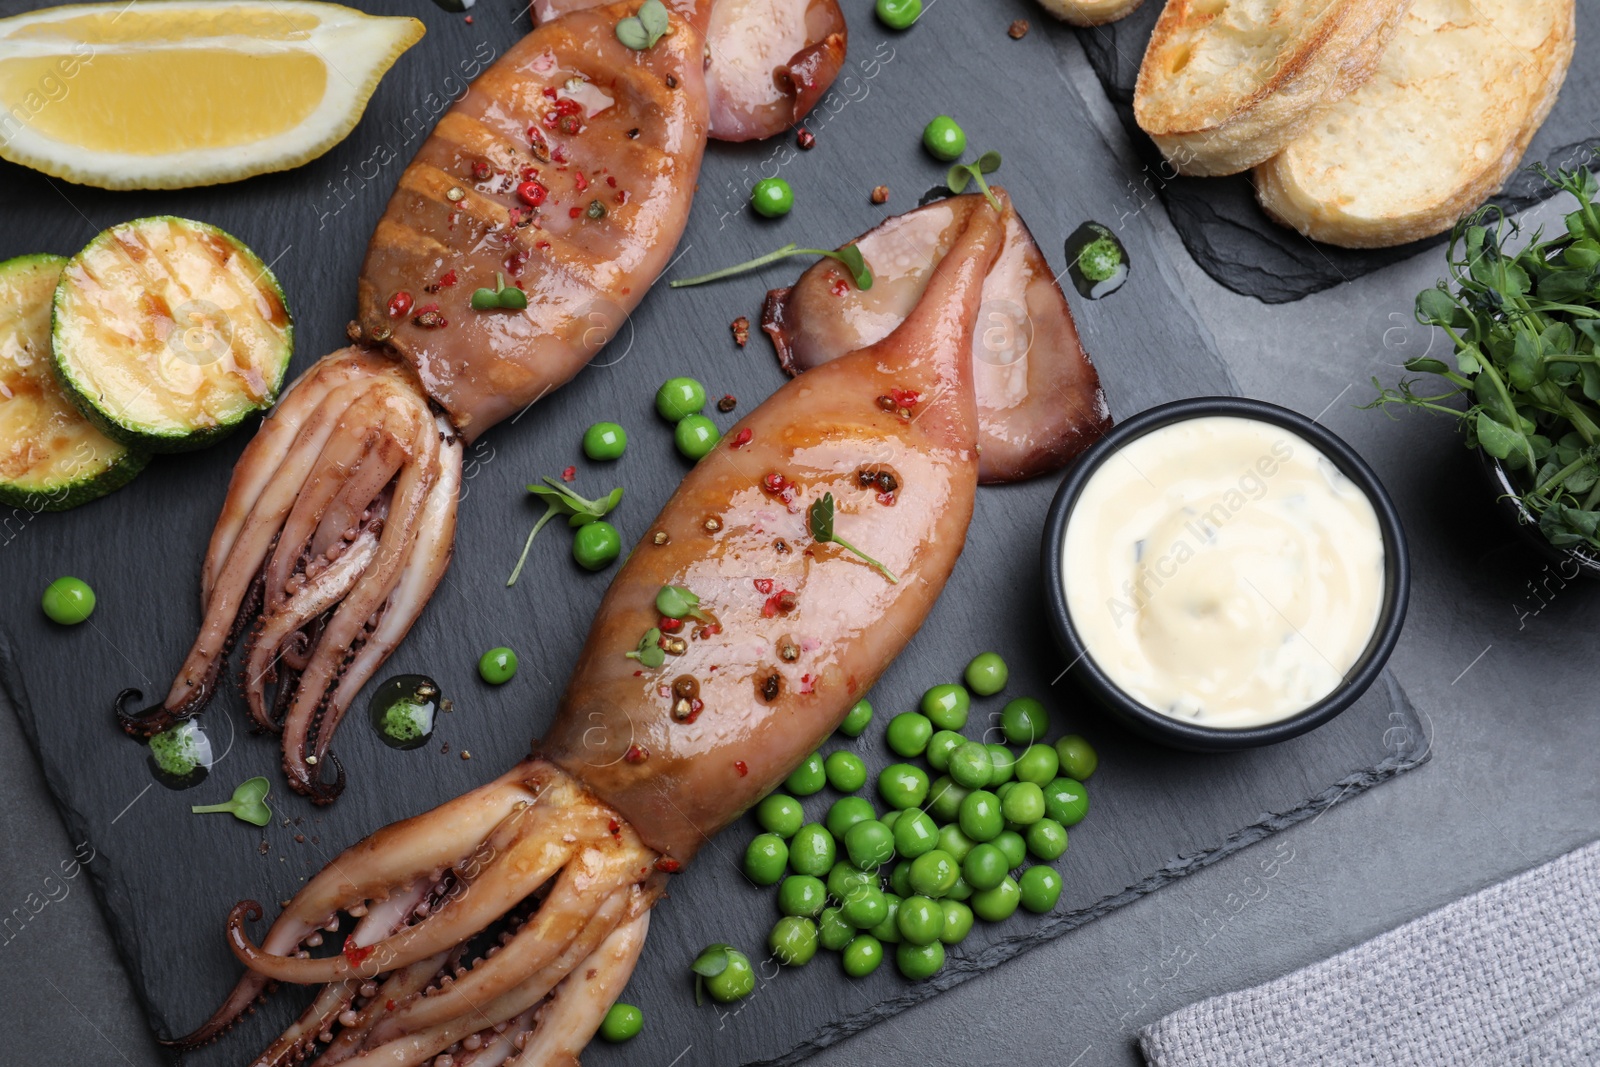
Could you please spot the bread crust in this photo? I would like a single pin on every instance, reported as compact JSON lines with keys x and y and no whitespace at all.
{"x":1226,"y":125}
{"x":1320,"y":185}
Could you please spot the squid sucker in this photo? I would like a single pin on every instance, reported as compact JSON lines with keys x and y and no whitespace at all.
{"x":500,"y":927}
{"x":566,"y":171}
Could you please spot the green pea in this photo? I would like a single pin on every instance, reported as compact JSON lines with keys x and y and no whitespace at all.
{"x":899,"y":14}
{"x":987,"y":674}
{"x":765,"y":859}
{"x":622,"y":1022}
{"x":1066,"y":801}
{"x":793,"y":940}
{"x":808,"y":778}
{"x":1003,"y":761}
{"x":985,"y":867}
{"x":1000,"y":903}
{"x":920,"y":920}
{"x":903,"y":786}
{"x":678,"y":398}
{"x":915,"y":834}
{"x":953,"y":841}
{"x":1038,"y":764}
{"x":917,"y":962}
{"x":944,"y":139}
{"x":940,"y":745}
{"x":497,"y":666}
{"x":845,"y":771}
{"x":1078,"y":757}
{"x":1047,"y":839}
{"x":832,"y":931}
{"x":772,"y":197}
{"x":1011,"y":843}
{"x":780,"y":814}
{"x":605,"y":440}
{"x":1040,"y":889}
{"x":862,"y":956}
{"x":971,"y":766}
{"x":596,"y":545}
{"x":870,"y":844}
{"x":944,"y":799}
{"x":980,"y":817}
{"x":802,"y":894}
{"x":957,"y":921}
{"x":68,"y":601}
{"x":888,"y":931}
{"x":812,"y":851}
{"x":856,"y":719}
{"x":846,"y":879}
{"x":1003,"y":788}
{"x":946,"y":706}
{"x":909,"y":733}
{"x":960,"y":891}
{"x":933,"y":873}
{"x":737,"y":980}
{"x":900,"y":876}
{"x":696,"y":436}
{"x":866,"y":908}
{"x":846,"y":812}
{"x":1024,"y":721}
{"x":889,"y":818}
{"x":1024,"y":804}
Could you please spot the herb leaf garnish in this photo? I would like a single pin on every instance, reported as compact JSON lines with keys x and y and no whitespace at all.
{"x":963,"y":174}
{"x":676,"y":602}
{"x":559,"y":500}
{"x":849,"y":255}
{"x":712,"y":961}
{"x":247,"y":804}
{"x":649,"y":651}
{"x":821,"y":521}
{"x":643,"y":30}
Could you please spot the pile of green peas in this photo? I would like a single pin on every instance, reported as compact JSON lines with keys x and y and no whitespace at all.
{"x":679,"y":401}
{"x":945,"y":852}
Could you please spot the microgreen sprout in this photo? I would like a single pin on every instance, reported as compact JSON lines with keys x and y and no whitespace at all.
{"x":849,"y":255}
{"x":712,"y":961}
{"x":501,"y":296}
{"x":963,"y":174}
{"x":676,"y":602}
{"x":248,"y":803}
{"x":643,"y":30}
{"x":649,"y":651}
{"x":559,"y":500}
{"x":821,"y":516}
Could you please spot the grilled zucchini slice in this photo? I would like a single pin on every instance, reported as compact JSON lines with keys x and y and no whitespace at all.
{"x":169,"y":333}
{"x":51,"y":457}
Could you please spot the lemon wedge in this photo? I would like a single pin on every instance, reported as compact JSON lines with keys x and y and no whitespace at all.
{"x":169,"y":94}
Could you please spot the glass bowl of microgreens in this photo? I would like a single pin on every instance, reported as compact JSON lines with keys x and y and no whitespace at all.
{"x":1524,"y":383}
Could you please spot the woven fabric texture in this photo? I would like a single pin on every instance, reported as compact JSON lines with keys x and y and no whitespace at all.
{"x":1507,"y":976}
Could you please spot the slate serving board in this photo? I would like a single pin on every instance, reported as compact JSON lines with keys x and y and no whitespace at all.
{"x":166,"y":878}
{"x":1231,"y":237}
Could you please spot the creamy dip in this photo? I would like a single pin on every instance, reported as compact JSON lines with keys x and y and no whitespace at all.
{"x":1223,"y":571}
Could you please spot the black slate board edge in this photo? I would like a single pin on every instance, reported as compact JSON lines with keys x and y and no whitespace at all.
{"x":1413,"y":749}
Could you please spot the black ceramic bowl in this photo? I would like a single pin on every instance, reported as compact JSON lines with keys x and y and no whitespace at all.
{"x":1570,"y":561}
{"x":1177,"y":733}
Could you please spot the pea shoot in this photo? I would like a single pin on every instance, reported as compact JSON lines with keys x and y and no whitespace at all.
{"x":849,"y":255}
{"x":821,"y":523}
{"x":641,"y":31}
{"x":248,"y":803}
{"x":559,"y":500}
{"x":502,"y":295}
{"x":963,"y":174}
{"x":649,"y":651}
{"x":677,"y":602}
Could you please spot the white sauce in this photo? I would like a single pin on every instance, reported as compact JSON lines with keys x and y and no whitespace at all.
{"x":1223,"y":571}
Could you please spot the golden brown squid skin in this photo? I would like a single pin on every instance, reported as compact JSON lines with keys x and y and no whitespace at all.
{"x":617,"y":181}
{"x":1039,"y":396}
{"x":773,"y":677}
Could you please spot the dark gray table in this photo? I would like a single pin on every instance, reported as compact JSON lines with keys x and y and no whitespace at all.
{"x":1500,"y":674}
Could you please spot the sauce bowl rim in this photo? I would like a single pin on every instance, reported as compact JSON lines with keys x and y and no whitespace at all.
{"x":1178,"y":733}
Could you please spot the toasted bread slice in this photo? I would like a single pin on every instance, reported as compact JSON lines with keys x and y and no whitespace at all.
{"x":1226,"y":84}
{"x":1090,"y":12}
{"x":1439,"y":127}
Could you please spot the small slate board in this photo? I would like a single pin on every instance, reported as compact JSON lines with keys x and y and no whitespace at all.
{"x":167,"y":878}
{"x":1235,"y":242}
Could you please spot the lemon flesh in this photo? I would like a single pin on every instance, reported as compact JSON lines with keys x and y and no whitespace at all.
{"x":174,"y":93}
